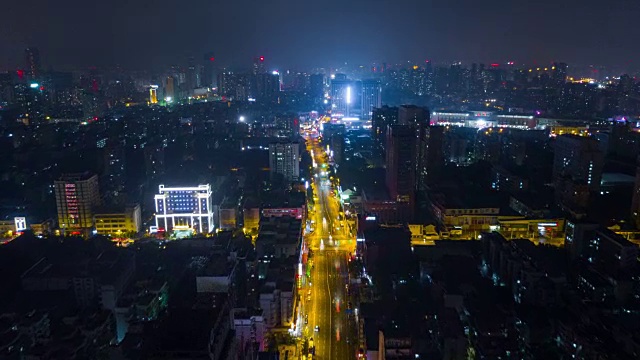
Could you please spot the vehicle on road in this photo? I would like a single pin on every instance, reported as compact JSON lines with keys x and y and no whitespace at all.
{"x":317,"y":328}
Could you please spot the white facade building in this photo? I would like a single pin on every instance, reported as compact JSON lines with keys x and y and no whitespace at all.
{"x":182,"y":208}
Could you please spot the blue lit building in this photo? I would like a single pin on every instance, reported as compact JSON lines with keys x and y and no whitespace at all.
{"x":184,"y":208}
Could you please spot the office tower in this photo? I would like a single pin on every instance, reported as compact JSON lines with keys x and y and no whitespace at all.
{"x":153,"y":94}
{"x":401,"y":168}
{"x":371,"y":97}
{"x":316,"y":86}
{"x":381,"y":118}
{"x":185,"y":208}
{"x":258,"y":65}
{"x":32,"y":61}
{"x":77,"y":195}
{"x":346,"y":97}
{"x":208,"y":72}
{"x":339,"y":94}
{"x":170,"y":89}
{"x":284,"y":159}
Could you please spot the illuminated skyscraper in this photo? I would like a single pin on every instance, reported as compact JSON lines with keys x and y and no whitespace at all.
{"x":153,"y":94}
{"x":371,"y":97}
{"x":170,"y":89}
{"x":346,"y":97}
{"x":32,"y":60}
{"x":77,"y":195}
{"x":184,"y":208}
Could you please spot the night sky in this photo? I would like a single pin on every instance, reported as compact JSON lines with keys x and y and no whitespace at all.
{"x":299,"y":34}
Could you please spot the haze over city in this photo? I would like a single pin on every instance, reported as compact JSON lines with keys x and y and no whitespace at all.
{"x":304,"y":34}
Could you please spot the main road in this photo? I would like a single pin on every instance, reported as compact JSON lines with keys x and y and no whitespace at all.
{"x":330,"y":325}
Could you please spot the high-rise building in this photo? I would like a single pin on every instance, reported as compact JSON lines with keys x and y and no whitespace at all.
{"x":6,"y":89}
{"x":77,"y":195}
{"x":431,"y":156}
{"x":316,"y":86}
{"x":578,"y":158}
{"x":114,"y":177}
{"x":184,"y":208}
{"x":284,"y":159}
{"x":32,"y":62}
{"x":635,"y":202}
{"x":346,"y":97}
{"x":577,"y":170}
{"x":371,"y":97}
{"x":192,"y":76}
{"x":559,"y":73}
{"x":401,"y":167}
{"x":413,"y":115}
{"x":93,"y":105}
{"x":60,"y":87}
{"x":170,"y":89}
{"x":427,"y":140}
{"x":381,"y":119}
{"x":234,"y":85}
{"x":153,"y":94}
{"x":287,"y":125}
{"x":267,"y":87}
{"x":208,"y":73}
{"x":258,"y":65}
{"x":334,"y":137}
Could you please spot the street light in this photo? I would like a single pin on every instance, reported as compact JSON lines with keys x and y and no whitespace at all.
{"x":241,"y":118}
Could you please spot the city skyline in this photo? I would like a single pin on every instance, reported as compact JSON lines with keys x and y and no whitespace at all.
{"x":139,"y":36}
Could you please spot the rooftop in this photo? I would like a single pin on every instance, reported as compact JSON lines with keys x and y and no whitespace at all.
{"x":76,"y":176}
